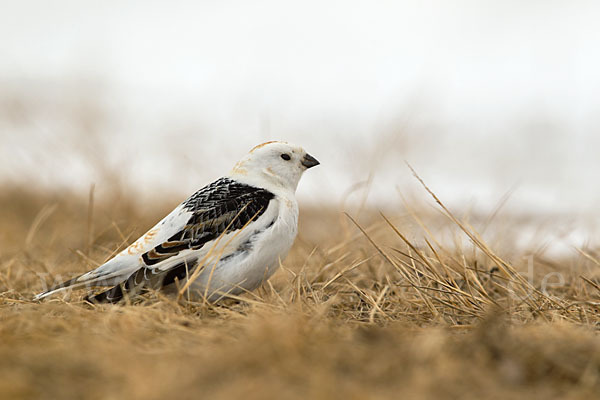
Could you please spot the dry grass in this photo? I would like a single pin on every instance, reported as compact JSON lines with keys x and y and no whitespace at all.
{"x":416,"y":305}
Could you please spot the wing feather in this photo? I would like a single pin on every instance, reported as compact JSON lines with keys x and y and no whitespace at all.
{"x":225,"y":206}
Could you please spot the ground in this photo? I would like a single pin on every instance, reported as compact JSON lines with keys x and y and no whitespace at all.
{"x":409,"y":303}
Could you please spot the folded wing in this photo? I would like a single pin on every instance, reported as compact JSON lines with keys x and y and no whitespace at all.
{"x":173,"y":248}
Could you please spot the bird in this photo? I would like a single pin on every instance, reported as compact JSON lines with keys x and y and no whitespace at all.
{"x":224,"y":240}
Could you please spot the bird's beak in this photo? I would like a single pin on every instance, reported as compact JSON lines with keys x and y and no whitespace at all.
{"x":309,"y":161}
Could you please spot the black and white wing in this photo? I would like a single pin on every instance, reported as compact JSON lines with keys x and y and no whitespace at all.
{"x":172,"y":249}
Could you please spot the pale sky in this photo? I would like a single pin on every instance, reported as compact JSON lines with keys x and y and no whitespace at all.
{"x":480,"y":96}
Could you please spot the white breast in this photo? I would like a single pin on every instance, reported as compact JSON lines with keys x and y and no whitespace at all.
{"x":269,"y":240}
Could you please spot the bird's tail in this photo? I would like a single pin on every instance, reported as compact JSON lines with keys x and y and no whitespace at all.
{"x":144,"y":279}
{"x":80,"y":282}
{"x":112,"y":295}
{"x":70,"y":284}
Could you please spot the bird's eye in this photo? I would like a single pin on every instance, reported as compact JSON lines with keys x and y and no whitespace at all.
{"x":286,"y":157}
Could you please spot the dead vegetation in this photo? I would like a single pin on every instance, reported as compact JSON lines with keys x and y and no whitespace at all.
{"x":407,"y":303}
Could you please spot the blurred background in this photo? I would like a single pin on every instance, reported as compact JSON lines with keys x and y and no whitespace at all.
{"x":483,"y":98}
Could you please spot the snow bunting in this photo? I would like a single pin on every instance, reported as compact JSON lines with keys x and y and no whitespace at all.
{"x":227,"y":238}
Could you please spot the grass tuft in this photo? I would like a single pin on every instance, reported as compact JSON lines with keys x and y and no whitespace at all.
{"x":407,"y":302}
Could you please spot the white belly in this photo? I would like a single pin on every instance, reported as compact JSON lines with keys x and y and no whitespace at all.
{"x":247,"y":270}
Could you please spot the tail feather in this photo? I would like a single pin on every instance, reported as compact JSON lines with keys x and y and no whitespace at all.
{"x":142,"y":280}
{"x":79,"y":283}
{"x":131,"y":280}
{"x":70,"y":284}
{"x":112,"y":295}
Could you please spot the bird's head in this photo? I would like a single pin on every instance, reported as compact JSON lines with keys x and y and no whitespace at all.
{"x":274,"y":163}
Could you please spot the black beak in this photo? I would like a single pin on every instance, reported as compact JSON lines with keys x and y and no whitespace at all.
{"x":309,"y":161}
